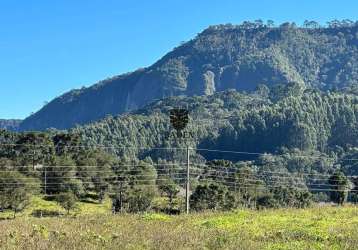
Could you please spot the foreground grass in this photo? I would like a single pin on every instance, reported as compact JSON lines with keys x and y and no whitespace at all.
{"x":314,"y":228}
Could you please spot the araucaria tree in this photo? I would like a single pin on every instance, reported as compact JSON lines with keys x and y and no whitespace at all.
{"x":15,"y":194}
{"x":339,"y":187}
{"x":211,"y":196}
{"x":67,"y":200}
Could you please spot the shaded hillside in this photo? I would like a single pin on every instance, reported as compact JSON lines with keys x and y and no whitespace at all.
{"x":10,"y":124}
{"x":221,"y":57}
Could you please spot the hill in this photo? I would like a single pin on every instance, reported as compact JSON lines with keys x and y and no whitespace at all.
{"x":301,"y":131}
{"x":284,"y":128}
{"x":283,"y":146}
{"x":221,"y":57}
{"x":11,"y":124}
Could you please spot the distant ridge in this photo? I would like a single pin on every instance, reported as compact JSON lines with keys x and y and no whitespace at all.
{"x":10,"y":124}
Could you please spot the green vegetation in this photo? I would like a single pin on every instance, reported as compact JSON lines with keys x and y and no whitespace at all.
{"x":211,"y":197}
{"x":40,"y":206}
{"x":314,"y":228}
{"x":299,"y":139}
{"x":67,"y":201}
{"x":339,"y":182}
{"x":295,"y":130}
{"x":14,"y":191}
{"x":313,"y":122}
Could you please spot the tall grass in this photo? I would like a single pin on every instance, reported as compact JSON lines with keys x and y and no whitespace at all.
{"x":314,"y":228}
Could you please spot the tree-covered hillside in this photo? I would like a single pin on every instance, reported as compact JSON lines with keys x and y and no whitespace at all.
{"x":275,"y":147}
{"x":221,"y":57}
{"x":282,"y":120}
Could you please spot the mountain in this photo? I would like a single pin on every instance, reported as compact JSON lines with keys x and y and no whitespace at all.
{"x":221,"y":57}
{"x":11,"y":124}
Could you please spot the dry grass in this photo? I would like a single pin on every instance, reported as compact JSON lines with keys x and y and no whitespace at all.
{"x":315,"y":228}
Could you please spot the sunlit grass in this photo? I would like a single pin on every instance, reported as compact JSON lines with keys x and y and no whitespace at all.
{"x":92,"y":226}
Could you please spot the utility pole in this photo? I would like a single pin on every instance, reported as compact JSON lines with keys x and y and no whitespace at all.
{"x":121,"y":197}
{"x":179,"y":119}
{"x":33,"y":159}
{"x":45,"y":172}
{"x":187,"y":189}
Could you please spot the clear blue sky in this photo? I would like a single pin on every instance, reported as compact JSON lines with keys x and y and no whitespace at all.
{"x":48,"y":47}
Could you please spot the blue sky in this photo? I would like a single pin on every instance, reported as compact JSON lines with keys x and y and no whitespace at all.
{"x":50,"y":47}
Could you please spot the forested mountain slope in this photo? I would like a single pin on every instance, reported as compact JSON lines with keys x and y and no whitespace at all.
{"x":281,"y":120}
{"x":221,"y":57}
{"x":281,"y":140}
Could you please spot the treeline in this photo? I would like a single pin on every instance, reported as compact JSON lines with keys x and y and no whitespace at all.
{"x":140,"y":186}
{"x":309,"y":24}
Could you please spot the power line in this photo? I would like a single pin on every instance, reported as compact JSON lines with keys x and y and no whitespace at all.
{"x":247,"y":185}
{"x":88,"y":182}
{"x":264,"y":182}
{"x":178,"y":148}
{"x":237,"y":184}
{"x":266,"y":187}
{"x":230,"y":170}
{"x":275,"y":172}
{"x":171,"y":177}
{"x":82,"y":177}
{"x":80,"y":168}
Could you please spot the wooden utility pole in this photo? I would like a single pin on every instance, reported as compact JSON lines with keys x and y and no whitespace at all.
{"x":179,"y":119}
{"x":45,"y":180}
{"x":187,"y":189}
{"x":33,"y":159}
{"x":121,"y":197}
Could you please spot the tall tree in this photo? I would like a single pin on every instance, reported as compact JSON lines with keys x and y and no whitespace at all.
{"x":16,"y":190}
{"x":339,"y":187}
{"x":67,"y":200}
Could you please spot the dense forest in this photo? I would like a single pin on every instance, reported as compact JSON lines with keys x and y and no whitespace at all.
{"x":277,"y":120}
{"x":283,"y":145}
{"x":221,"y":57}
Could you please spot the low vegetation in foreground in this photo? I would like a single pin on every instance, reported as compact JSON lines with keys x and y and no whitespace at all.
{"x":92,"y":226}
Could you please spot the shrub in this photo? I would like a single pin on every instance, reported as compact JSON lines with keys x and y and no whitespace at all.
{"x":211,"y":196}
{"x":67,"y":200}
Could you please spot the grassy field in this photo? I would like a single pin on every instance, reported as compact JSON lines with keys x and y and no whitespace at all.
{"x":93,"y":227}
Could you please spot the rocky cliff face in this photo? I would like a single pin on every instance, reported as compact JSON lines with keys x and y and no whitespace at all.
{"x":221,"y":57}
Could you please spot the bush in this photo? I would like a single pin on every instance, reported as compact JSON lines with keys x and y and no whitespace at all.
{"x":267,"y":201}
{"x":211,"y":196}
{"x":67,"y":200}
{"x":140,"y":200}
{"x":292,"y":197}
